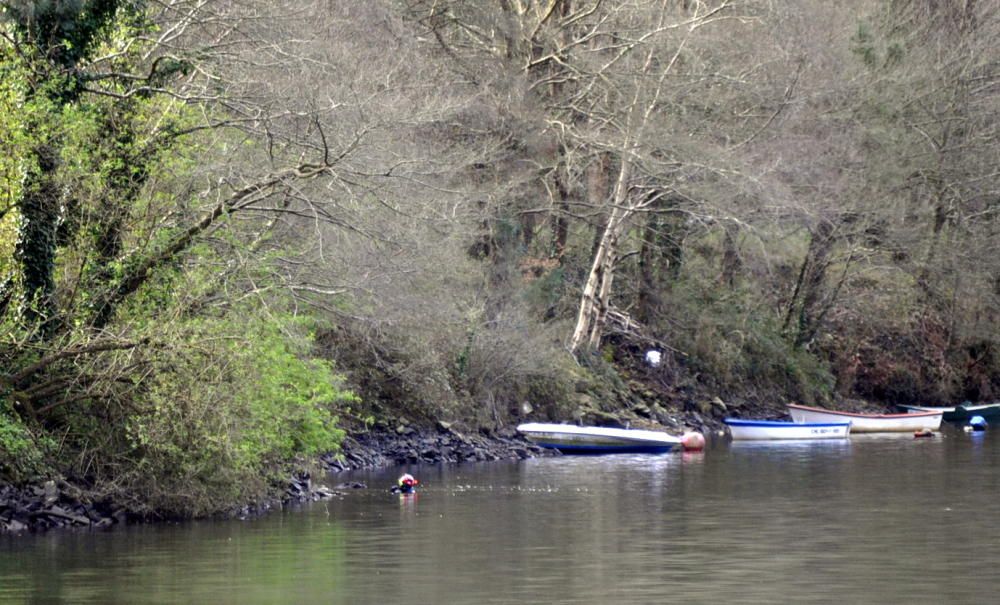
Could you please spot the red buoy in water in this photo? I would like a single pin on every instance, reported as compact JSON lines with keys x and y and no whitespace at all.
{"x":693,"y":441}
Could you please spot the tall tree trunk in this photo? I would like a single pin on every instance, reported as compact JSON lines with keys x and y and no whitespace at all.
{"x":560,"y":218}
{"x":731,"y":262}
{"x":809,"y":287}
{"x":598,"y":177}
{"x":36,"y":247}
{"x":56,"y":38}
{"x":660,"y":257}
{"x":648,"y":299}
{"x":927,"y":276}
{"x":527,"y":222}
{"x":597,"y":290}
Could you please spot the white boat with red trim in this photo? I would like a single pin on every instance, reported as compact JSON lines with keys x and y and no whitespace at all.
{"x":869,"y":423}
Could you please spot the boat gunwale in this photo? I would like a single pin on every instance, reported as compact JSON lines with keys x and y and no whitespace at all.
{"x":638,"y":447}
{"x":949,"y":409}
{"x":780,"y":423}
{"x":633,"y":436}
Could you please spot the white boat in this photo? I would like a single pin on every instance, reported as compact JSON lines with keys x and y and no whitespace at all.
{"x":869,"y":423}
{"x":570,"y":439}
{"x":775,"y":429}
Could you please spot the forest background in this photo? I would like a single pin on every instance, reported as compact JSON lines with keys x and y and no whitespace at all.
{"x":231,"y":228}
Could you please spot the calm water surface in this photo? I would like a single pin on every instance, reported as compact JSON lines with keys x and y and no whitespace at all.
{"x":870,"y":520}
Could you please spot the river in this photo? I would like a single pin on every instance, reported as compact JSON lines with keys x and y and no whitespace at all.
{"x":872,"y":519}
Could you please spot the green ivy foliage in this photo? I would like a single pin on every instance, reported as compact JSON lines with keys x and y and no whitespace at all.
{"x":221,"y":400}
{"x":227,"y":404}
{"x":23,"y":455}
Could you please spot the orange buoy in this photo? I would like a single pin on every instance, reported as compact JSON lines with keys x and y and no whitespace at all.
{"x":693,"y":441}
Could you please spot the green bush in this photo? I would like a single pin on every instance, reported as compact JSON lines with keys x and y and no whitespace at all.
{"x":228,"y":405}
{"x":22,"y":454}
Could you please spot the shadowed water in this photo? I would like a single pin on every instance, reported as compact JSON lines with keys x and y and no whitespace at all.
{"x":869,"y":520}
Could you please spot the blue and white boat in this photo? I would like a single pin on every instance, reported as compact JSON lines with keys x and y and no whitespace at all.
{"x":570,"y":439}
{"x":776,"y":429}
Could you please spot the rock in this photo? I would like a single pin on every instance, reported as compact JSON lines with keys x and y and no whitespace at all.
{"x":64,"y":515}
{"x":50,"y":493}
{"x":602,"y":418}
{"x":15,"y":525}
{"x":335,"y":464}
{"x":509,"y":433}
{"x":661,"y":415}
{"x":299,"y":486}
{"x":91,"y":512}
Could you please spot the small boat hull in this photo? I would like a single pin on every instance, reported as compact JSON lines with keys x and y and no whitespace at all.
{"x":570,"y":439}
{"x":958,"y":413}
{"x":754,"y":430}
{"x":869,"y":423}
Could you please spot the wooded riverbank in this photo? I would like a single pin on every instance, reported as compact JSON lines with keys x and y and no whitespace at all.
{"x":232,"y":233}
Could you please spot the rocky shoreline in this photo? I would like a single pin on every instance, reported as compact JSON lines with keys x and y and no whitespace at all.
{"x":51,"y":505}
{"x":55,"y":504}
{"x":442,"y":444}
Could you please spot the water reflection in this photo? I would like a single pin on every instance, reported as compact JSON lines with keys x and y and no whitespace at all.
{"x":793,"y":444}
{"x":193,"y":563}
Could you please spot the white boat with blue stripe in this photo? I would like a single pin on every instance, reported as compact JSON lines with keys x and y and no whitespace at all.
{"x":776,"y":429}
{"x":571,"y":439}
